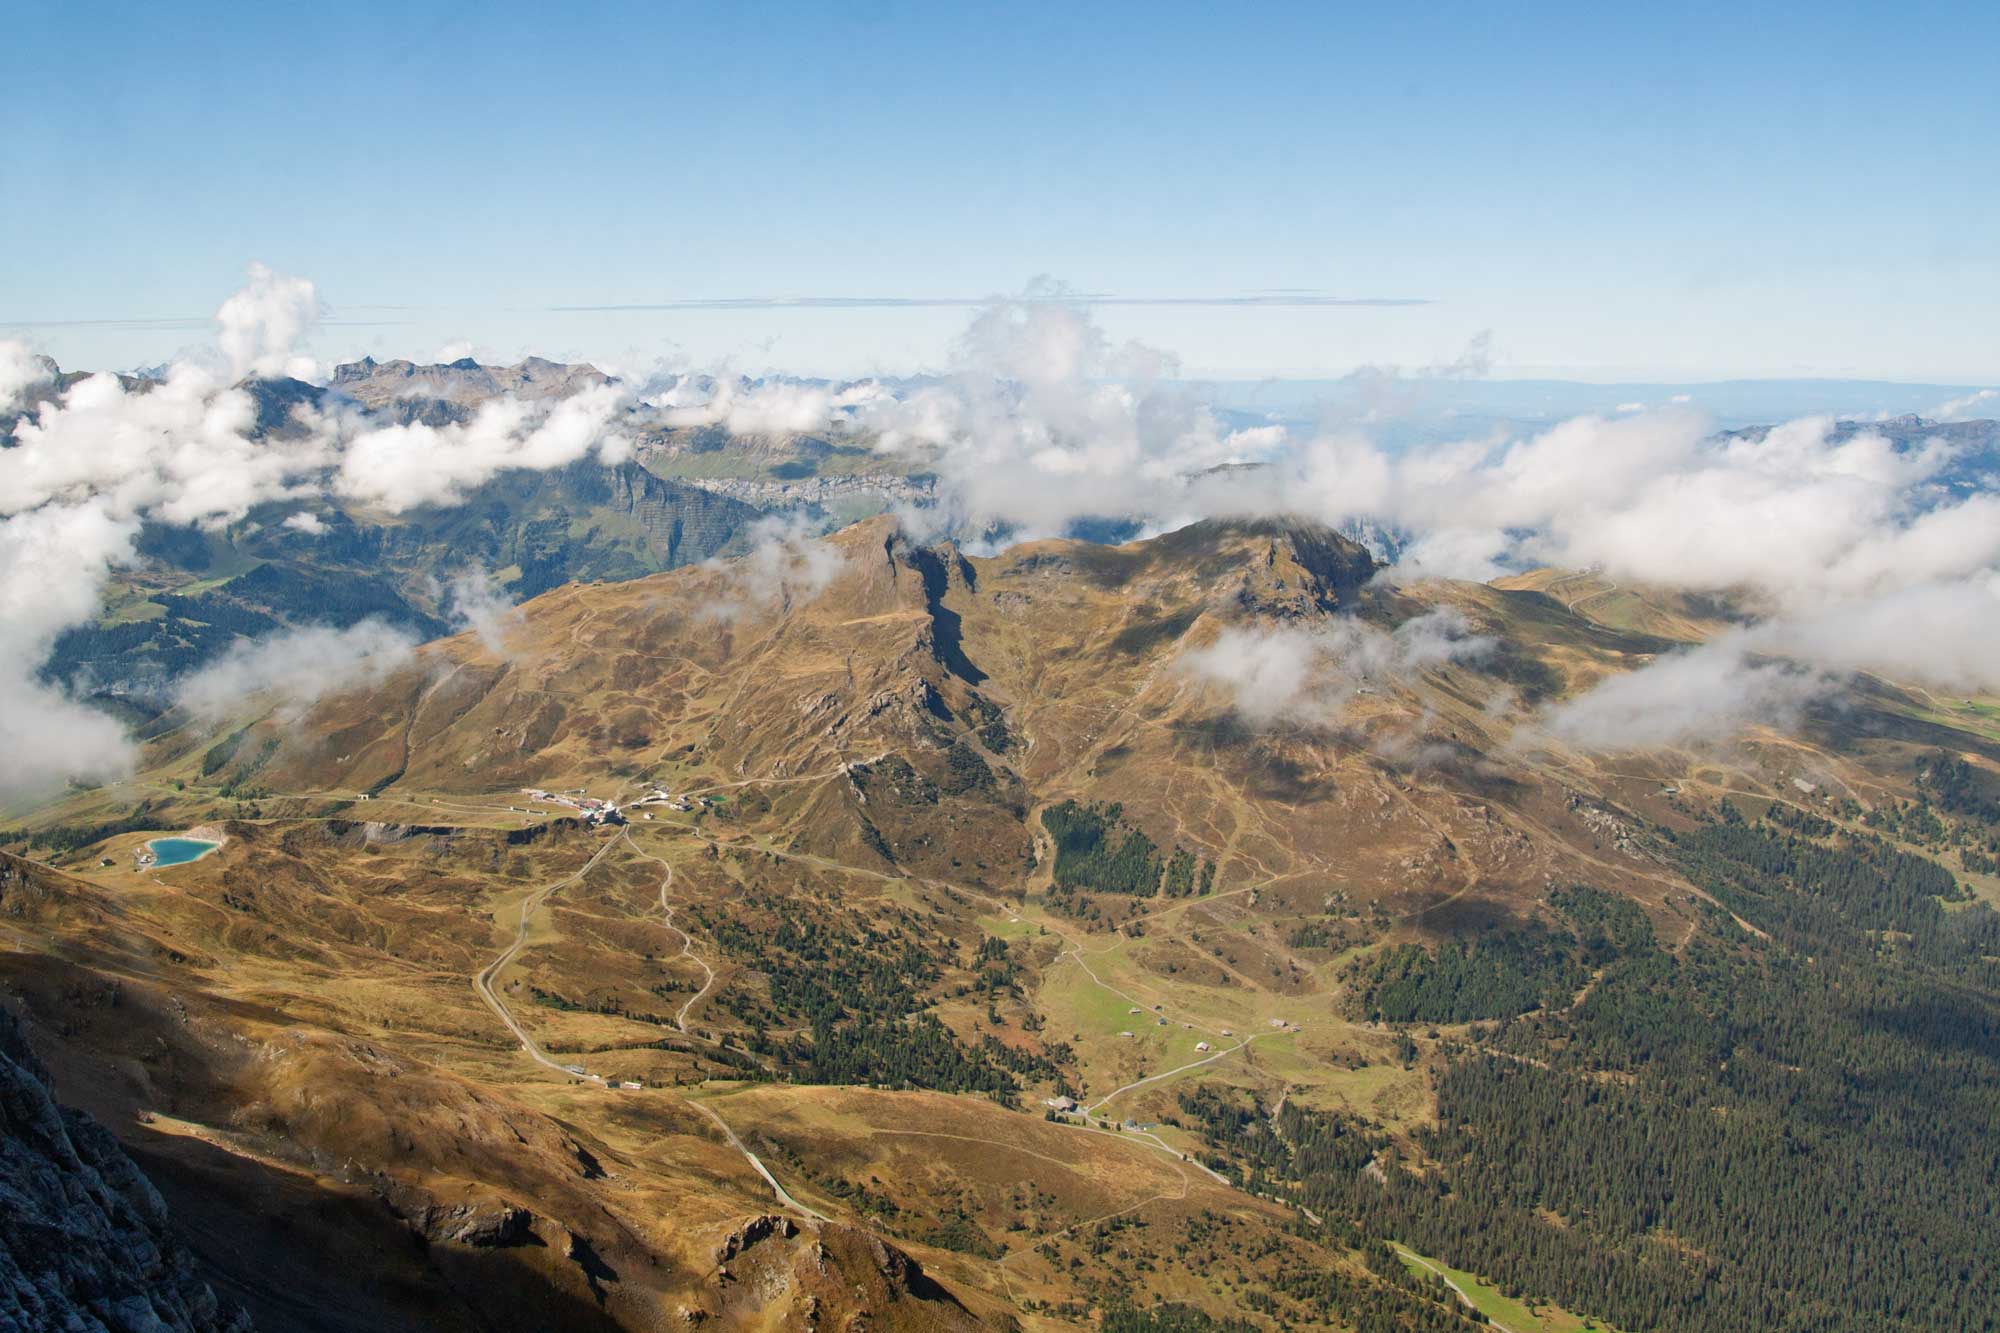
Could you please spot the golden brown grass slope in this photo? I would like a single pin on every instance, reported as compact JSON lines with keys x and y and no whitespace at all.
{"x":870,"y":733}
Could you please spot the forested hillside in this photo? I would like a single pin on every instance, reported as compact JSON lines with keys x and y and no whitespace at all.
{"x":1688,"y":1145}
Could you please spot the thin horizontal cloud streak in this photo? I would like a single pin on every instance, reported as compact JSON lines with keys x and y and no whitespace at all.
{"x":177,"y":323}
{"x":1272,"y":300}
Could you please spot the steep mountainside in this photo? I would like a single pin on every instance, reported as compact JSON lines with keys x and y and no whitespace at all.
{"x":86,"y":1245}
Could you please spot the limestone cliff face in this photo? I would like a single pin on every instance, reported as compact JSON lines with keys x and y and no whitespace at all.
{"x":809,"y":492}
{"x":683,"y":524}
{"x":85,"y":1247}
{"x":583,"y":521}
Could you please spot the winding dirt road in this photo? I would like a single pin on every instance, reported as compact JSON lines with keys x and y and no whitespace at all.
{"x":687,"y":940}
{"x":784,"y":1196}
{"x":1457,"y":1290}
{"x":482,"y":983}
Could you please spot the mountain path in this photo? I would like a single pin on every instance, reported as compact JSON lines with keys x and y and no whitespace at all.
{"x":1457,"y":1290}
{"x":687,"y":940}
{"x":482,"y":981}
{"x":784,"y":1196}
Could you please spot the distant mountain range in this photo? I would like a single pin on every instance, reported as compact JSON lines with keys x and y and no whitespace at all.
{"x":691,"y":494}
{"x":1975,"y":445}
{"x":395,"y":386}
{"x":198,"y":591}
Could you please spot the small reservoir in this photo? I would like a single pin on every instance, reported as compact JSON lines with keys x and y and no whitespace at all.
{"x":176,"y":851}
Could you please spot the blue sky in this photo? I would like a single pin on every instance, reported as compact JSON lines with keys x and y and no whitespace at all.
{"x":1613,"y":191}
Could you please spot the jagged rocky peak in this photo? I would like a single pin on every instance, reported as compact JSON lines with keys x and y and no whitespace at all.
{"x":45,"y":385}
{"x":1292,"y":565}
{"x":1311,"y":544}
{"x":1282,"y":566}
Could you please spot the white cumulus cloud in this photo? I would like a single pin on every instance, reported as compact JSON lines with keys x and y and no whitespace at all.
{"x":402,"y":467}
{"x":258,"y":327}
{"x":20,"y":370}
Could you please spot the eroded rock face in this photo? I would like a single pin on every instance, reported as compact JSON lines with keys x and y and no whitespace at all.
{"x":820,"y":491}
{"x":85,"y":1245}
{"x":683,"y":524}
{"x":752,"y":1231}
{"x":772,"y":1272}
{"x":488,"y":1225}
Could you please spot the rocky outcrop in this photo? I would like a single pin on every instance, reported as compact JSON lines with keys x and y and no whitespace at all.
{"x":85,"y":1246}
{"x":1294,"y":567}
{"x":772,"y":1272}
{"x":482,"y":1225}
{"x":748,"y":1233}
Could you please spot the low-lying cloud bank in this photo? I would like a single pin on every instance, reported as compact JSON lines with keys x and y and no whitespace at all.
{"x":51,"y":564}
{"x":477,"y":603}
{"x":1865,"y":558}
{"x":783,"y":565}
{"x":1288,"y":674}
{"x":1688,"y":698}
{"x":91,"y":465}
{"x":1940,"y":635}
{"x":295,"y":669}
{"x":404,"y":467}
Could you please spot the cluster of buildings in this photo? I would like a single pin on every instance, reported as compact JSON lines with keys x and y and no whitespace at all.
{"x":594,"y":811}
{"x":660,"y":796}
{"x":609,"y":1083}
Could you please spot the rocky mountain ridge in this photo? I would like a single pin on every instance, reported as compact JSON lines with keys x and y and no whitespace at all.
{"x":464,"y":382}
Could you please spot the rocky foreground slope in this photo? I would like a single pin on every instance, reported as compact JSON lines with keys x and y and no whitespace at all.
{"x":87,"y":1244}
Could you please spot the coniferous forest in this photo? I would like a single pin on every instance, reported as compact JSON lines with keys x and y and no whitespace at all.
{"x":1791,"y":1122}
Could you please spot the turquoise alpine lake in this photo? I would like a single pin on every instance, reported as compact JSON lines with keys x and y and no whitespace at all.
{"x":174,"y":851}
